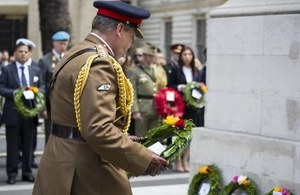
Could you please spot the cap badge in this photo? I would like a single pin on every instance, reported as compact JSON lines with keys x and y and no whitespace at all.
{"x":104,"y":87}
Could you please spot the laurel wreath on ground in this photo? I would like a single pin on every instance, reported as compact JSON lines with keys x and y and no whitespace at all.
{"x":188,"y":94}
{"x":165,"y":108}
{"x":25,"y":110}
{"x":284,"y":191}
{"x":179,"y":129}
{"x":242,"y":183}
{"x":210,"y":172}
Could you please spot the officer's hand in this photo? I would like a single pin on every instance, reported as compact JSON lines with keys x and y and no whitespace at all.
{"x":137,"y":139}
{"x":156,"y":166}
{"x":137,"y":116}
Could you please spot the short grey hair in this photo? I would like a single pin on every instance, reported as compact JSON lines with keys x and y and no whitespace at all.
{"x":104,"y":24}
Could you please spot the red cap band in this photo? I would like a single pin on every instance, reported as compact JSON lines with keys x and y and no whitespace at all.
{"x":118,"y":16}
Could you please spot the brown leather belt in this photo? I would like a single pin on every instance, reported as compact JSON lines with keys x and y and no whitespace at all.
{"x":66,"y":132}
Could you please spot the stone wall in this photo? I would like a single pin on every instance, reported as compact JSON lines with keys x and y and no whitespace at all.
{"x":252,"y":122}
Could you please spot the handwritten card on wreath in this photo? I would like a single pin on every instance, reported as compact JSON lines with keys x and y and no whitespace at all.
{"x":170,"y":96}
{"x":196,"y":94}
{"x":157,"y":148}
{"x":28,"y":94}
{"x":204,"y":190}
{"x":277,"y":193}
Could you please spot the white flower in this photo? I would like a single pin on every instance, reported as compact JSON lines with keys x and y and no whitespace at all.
{"x":35,"y":79}
{"x":241,"y":179}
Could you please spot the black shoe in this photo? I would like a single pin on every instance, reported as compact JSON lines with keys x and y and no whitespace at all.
{"x":11,"y":180}
{"x":28,"y":178}
{"x":34,"y":165}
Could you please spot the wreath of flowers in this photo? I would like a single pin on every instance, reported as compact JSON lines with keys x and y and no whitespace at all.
{"x":188,"y":97}
{"x":284,"y":191}
{"x":210,"y":172}
{"x":242,"y":183}
{"x":180,"y":129}
{"x":25,"y":110}
{"x":165,"y":108}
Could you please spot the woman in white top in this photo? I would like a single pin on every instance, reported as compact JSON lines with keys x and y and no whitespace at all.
{"x":187,"y":72}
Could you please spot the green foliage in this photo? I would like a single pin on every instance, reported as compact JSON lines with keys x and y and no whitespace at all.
{"x":25,"y":110}
{"x":189,"y":99}
{"x":232,"y":187}
{"x":215,"y":181}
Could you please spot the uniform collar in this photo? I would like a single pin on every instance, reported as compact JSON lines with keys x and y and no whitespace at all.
{"x":105,"y":44}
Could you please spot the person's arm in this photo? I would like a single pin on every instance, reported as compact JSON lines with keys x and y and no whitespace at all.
{"x":98,"y":110}
{"x":5,"y":90}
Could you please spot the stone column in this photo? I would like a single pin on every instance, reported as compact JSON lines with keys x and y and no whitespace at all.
{"x":252,"y":121}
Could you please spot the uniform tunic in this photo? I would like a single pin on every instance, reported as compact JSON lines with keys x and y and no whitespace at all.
{"x":98,"y":165}
{"x":143,"y":82}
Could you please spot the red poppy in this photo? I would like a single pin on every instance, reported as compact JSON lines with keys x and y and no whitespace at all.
{"x":165,"y":108}
{"x":180,"y":124}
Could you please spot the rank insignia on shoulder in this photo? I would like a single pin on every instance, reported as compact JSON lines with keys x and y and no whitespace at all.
{"x":104,"y":87}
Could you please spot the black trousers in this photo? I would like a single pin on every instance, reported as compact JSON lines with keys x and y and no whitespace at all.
{"x":196,"y":114}
{"x":24,"y":130}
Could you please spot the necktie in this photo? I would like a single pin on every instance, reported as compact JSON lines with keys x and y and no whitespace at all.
{"x":23,"y":78}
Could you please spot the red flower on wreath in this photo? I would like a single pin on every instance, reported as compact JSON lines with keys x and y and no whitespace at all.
{"x":166,"y":108}
{"x":180,"y":124}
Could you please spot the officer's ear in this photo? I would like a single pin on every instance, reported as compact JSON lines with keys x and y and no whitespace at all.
{"x":120,"y":29}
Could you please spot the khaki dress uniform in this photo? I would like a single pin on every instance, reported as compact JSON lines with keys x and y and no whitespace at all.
{"x":143,"y":82}
{"x":96,"y":165}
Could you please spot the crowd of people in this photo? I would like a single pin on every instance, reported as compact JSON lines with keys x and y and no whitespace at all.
{"x":21,"y":131}
{"x":86,"y":133}
{"x":150,"y":72}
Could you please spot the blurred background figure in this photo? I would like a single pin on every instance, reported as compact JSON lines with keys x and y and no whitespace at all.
{"x":17,"y":126}
{"x":5,"y":57}
{"x":173,"y":62}
{"x":127,"y":63}
{"x":138,"y":56}
{"x":143,"y":81}
{"x":198,"y":64}
{"x":60,"y":41}
{"x":186,"y":73}
{"x":175,"y":51}
{"x":31,"y":45}
{"x":159,"y":71}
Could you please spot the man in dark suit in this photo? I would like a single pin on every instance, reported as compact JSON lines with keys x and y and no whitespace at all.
{"x":16,"y":75}
{"x":31,"y":45}
{"x":47,"y":63}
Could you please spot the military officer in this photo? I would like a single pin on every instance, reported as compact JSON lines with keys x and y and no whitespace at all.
{"x":172,"y":65}
{"x":159,"y":71}
{"x":60,"y":41}
{"x":89,"y":151}
{"x":143,"y":81}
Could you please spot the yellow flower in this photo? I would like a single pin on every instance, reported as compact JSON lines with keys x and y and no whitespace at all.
{"x":35,"y":89}
{"x":246,"y":182}
{"x":204,"y":170}
{"x":204,"y":88}
{"x":277,"y":189}
{"x":171,"y":120}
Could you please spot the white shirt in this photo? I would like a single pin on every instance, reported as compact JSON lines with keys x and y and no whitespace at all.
{"x":187,"y":71}
{"x":26,"y":72}
{"x":57,"y":55}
